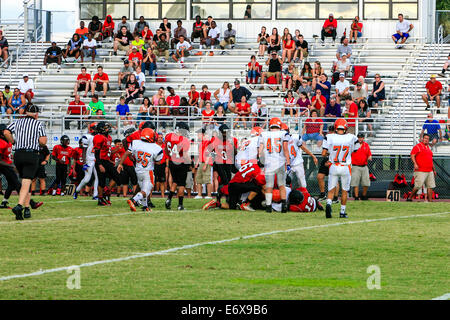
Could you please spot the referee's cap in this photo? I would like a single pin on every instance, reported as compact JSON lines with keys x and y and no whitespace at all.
{"x":32,"y":108}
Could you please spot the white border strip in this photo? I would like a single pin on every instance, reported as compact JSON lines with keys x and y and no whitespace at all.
{"x":195,"y":245}
{"x":443,"y":297}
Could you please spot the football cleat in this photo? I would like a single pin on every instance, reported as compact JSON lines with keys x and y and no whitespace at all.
{"x":146,"y":209}
{"x":102,"y":202}
{"x":180,"y":208}
{"x":132,"y":205}
{"x":328,"y":211}
{"x":246,"y":207}
{"x":34,"y":205}
{"x":319,"y":206}
{"x":27,"y":213}
{"x":343,"y":215}
{"x":269,"y":209}
{"x":210,"y":205}
{"x":108,"y":202}
{"x":284,"y":208}
{"x":168,"y":204}
{"x":18,"y":212}
{"x":335,"y":200}
{"x":75,"y":195}
{"x":4,"y":205}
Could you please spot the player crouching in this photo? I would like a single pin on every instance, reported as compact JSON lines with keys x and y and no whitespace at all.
{"x":146,"y":152}
{"x":299,"y":200}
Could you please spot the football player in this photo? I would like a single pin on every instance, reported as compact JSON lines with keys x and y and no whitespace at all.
{"x":146,"y":152}
{"x":225,"y":150}
{"x":299,"y":200}
{"x":323,"y":172}
{"x":77,"y":155}
{"x":62,"y":154}
{"x":249,"y":148}
{"x":274,"y":153}
{"x":340,"y":146}
{"x":128,"y":174}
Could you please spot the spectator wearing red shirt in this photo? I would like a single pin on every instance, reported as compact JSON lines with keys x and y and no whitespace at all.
{"x":100,"y":82}
{"x":434,"y":90}
{"x":242,"y":109}
{"x":313,"y":129}
{"x":205,"y":96}
{"x":329,"y":28}
{"x":360,"y":171}
{"x":253,"y":70}
{"x":422,"y":157}
{"x":319,"y":102}
{"x":76,"y":108}
{"x":355,"y":30}
{"x":147,"y":35}
{"x":208,"y":115}
{"x":193,"y":96}
{"x":351,"y":111}
{"x":135,"y":57}
{"x":83,"y":82}
{"x":173,"y":101}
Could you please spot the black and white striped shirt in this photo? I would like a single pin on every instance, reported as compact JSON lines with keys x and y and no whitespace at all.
{"x":27,"y":131}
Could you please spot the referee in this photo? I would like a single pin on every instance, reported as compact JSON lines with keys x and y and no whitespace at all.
{"x":29,"y":134}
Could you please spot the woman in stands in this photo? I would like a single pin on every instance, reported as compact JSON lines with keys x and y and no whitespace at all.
{"x":253,"y":70}
{"x":318,"y":70}
{"x":73,"y":48}
{"x":108,"y":27}
{"x":377,"y":92}
{"x":158,"y":95}
{"x":263,"y":39}
{"x":274,"y":41}
{"x":223,"y":96}
{"x":131,"y":89}
{"x":219,"y":117}
{"x":303,"y":105}
{"x":364,"y":115}
{"x":307,"y":73}
{"x":3,"y":102}
{"x":288,"y":48}
{"x":285,"y":33}
{"x":16,"y":103}
{"x":362,"y":80}
{"x":146,"y":110}
{"x":287,"y":77}
{"x":289,"y":105}
{"x":163,"y":112}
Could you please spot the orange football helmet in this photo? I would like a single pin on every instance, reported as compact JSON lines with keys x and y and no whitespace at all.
{"x":275,"y":123}
{"x":341,"y":124}
{"x":91,"y":127}
{"x":285,"y":127}
{"x":256,"y":131}
{"x":276,"y":195}
{"x":148,"y":135}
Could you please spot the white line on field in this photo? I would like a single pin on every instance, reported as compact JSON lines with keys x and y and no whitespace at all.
{"x":443,"y":297}
{"x":195,"y":245}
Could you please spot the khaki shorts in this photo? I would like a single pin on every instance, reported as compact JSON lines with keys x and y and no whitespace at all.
{"x":272,"y":74}
{"x":203,"y":177}
{"x":231,"y":40}
{"x":305,"y":53}
{"x":123,"y":48}
{"x":424,"y":179}
{"x":189,"y":180}
{"x":360,"y":175}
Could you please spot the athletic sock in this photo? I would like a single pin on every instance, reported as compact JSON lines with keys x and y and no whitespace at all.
{"x":171,"y":194}
{"x":138,"y":197}
{"x":268,"y":199}
{"x":342,"y":208}
{"x":329,"y":201}
{"x":180,"y":201}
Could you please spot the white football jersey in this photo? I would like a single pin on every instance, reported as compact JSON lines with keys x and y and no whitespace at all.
{"x":248,"y":151}
{"x":272,"y":142}
{"x":146,"y":154}
{"x":340,"y":147}
{"x":295,"y":152}
{"x":88,"y":143}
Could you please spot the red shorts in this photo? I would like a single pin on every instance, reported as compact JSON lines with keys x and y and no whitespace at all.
{"x":30,"y":92}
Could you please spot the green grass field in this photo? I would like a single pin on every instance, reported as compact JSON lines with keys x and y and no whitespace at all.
{"x":313,"y":258}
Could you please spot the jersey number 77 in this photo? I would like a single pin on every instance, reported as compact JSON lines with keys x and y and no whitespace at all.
{"x":341,"y":151}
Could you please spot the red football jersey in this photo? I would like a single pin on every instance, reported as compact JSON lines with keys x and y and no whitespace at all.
{"x":249,"y":172}
{"x":165,"y":156}
{"x":308,"y":204}
{"x":77,"y":154}
{"x":224,"y":150}
{"x":63,"y":154}
{"x":177,"y":147}
{"x":103,"y":144}
{"x":118,"y":155}
{"x":5,"y":151}
{"x":134,"y":136}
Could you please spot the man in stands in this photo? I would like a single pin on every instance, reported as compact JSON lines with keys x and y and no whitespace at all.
{"x":122,"y":40}
{"x":100,"y":82}
{"x":124,"y":73}
{"x":26,"y":87}
{"x":135,"y":57}
{"x":351,"y":111}
{"x":183,"y":50}
{"x":140,"y":25}
{"x":82,"y":31}
{"x":342,"y":88}
{"x":329,"y":29}
{"x":237,"y":93}
{"x":178,"y":32}
{"x":360,"y":170}
{"x":323,"y":85}
{"x":343,"y":49}
{"x":229,"y":37}
{"x":162,"y":48}
{"x":275,"y":64}
{"x":339,"y":146}
{"x":4,"y":53}
{"x":332,"y":111}
{"x":123,"y":23}
{"x":434,"y":91}
{"x":210,"y":40}
{"x":95,"y":28}
{"x":319,"y":102}
{"x":424,"y":172}
{"x":53,"y":55}
{"x":197,"y":29}
{"x":83,"y":82}
{"x":95,"y":105}
{"x":89,"y":47}
{"x":76,"y":108}
{"x":359,"y":93}
{"x":433,"y":129}
{"x":403,"y":28}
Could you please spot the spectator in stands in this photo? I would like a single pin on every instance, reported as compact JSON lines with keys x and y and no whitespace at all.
{"x":163,"y":112}
{"x":229,"y":37}
{"x":184,"y":106}
{"x":95,"y":28}
{"x":359,"y":94}
{"x":238,"y":92}
{"x":362,"y":80}
{"x":445,"y":67}
{"x":139,"y":44}
{"x":288,"y":48}
{"x":210,"y":40}
{"x":145,"y":110}
{"x":206,"y":26}
{"x":100,"y":82}
{"x":82,"y":31}
{"x":26,"y":87}
{"x":16,"y":103}
{"x":259,"y":113}
{"x":197,"y":29}
{"x":313,"y":129}
{"x":219,"y":117}
{"x":173,"y":100}
{"x":205,"y":96}
{"x":288,"y":75}
{"x":319,"y":102}
{"x":303,"y":105}
{"x":318,"y":70}
{"x":95,"y":105}
{"x":89,"y":48}
{"x":289,"y":105}
{"x":329,"y":29}
{"x":350,"y":111}
{"x":253,"y":70}
{"x":140,"y":26}
{"x":135,"y":58}
{"x":274,"y":63}
{"x":274,"y":41}
{"x":140,"y":77}
{"x":342,"y":66}
{"x":164,"y":28}
{"x":433,"y":129}
{"x":147,"y":36}
{"x":193,"y":96}
{"x":360,"y":171}
{"x":263,"y":40}
{"x":123,"y":23}
{"x":131,"y":89}
{"x":424,"y":172}
{"x":343,"y":49}
{"x":284,"y":36}
{"x":149,"y":62}
{"x":301,"y":51}
{"x":355,"y":30}
{"x":323,"y":85}
{"x":3,"y":103}
{"x":53,"y":55}
{"x":122,"y":40}
{"x":83,"y":82}
{"x":158,"y":95}
{"x":208,"y":116}
{"x":123,"y":110}
{"x":162,"y":48}
{"x":108,"y":27}
{"x":378,"y":92}
{"x":7,"y":93}
{"x":242,"y":109}
{"x":76,"y":108}
{"x":364,"y":114}
{"x":124,"y":73}
{"x":332,"y":111}
{"x":177,"y":33}
{"x":403,"y":28}
{"x":342,"y":87}
{"x":434,"y":91}
{"x":73,"y":48}
{"x":248,"y":12}
{"x":183,"y":50}
{"x":307,"y":73}
{"x":4,"y":52}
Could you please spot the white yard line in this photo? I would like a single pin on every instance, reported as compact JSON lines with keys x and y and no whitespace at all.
{"x":443,"y":297}
{"x":195,"y":245}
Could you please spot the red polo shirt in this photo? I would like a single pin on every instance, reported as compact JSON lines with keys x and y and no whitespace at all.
{"x":424,"y":157}
{"x":327,"y":23}
{"x":77,"y":108}
{"x":433,"y":87}
{"x":360,"y":156}
{"x":353,"y":109}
